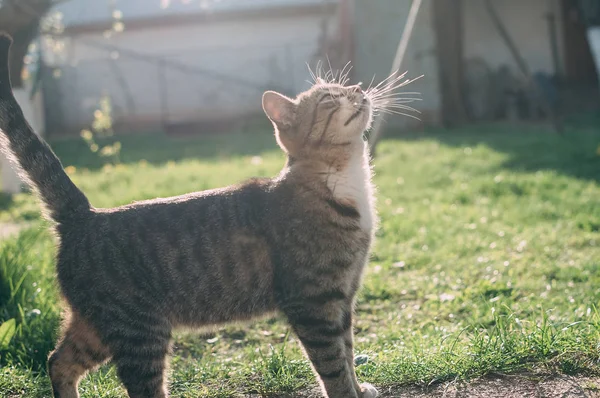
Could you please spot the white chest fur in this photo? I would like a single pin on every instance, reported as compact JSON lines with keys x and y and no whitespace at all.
{"x":353,"y":183}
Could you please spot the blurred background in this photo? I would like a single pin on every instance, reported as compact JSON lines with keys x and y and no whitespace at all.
{"x":191,"y":65}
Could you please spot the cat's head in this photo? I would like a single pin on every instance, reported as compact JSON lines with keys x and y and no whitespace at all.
{"x":326,"y":116}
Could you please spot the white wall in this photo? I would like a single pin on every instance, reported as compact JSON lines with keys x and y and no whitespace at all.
{"x":267,"y":53}
{"x":527,"y":24}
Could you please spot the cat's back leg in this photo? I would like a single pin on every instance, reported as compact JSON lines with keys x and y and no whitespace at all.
{"x":78,"y":351}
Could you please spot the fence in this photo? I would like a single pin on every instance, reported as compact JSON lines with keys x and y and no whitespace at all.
{"x":179,"y":87}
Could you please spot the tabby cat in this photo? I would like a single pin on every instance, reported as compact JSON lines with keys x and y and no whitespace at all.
{"x":296,"y":243}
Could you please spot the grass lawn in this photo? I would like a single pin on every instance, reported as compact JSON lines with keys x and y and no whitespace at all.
{"x":487,"y":260}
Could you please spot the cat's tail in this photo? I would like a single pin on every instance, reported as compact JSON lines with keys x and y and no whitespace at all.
{"x":37,"y":164}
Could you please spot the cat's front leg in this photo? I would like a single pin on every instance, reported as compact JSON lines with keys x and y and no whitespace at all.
{"x":366,"y":389}
{"x":323,"y":332}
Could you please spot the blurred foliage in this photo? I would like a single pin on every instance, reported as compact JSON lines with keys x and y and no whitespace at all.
{"x":102,"y":127}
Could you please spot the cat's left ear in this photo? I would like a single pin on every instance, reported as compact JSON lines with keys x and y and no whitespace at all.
{"x":279,"y":108}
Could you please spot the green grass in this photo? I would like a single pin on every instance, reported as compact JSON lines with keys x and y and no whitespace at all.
{"x":487,"y":260}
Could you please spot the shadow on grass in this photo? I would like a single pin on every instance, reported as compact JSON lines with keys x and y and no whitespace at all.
{"x":531,"y":147}
{"x":6,"y":201}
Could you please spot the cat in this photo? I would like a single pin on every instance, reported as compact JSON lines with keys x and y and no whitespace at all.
{"x":295,"y":244}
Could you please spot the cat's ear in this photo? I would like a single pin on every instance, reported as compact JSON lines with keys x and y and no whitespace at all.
{"x":279,"y":108}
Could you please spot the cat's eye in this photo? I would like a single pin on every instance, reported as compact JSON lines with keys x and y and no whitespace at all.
{"x":330,"y":100}
{"x":330,"y":103}
{"x":329,"y":96}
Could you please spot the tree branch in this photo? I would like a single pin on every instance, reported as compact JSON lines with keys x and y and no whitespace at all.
{"x":21,"y":19}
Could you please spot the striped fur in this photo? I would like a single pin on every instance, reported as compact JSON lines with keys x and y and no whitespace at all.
{"x":296,"y":243}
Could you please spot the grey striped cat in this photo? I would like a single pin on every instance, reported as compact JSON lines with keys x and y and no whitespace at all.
{"x":296,"y":243}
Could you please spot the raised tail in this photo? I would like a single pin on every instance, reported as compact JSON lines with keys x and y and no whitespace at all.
{"x":38,"y":165}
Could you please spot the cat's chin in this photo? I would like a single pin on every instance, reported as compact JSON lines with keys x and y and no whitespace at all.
{"x":366,"y":119}
{"x":366,"y":123}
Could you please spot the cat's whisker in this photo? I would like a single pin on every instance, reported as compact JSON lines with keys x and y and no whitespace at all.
{"x":390,"y":104}
{"x":396,"y":93}
{"x":339,"y":75}
{"x":346,"y":78}
{"x":344,"y":73}
{"x":393,"y":85}
{"x":396,"y":100}
{"x":395,"y":112}
{"x":392,"y":77}
{"x":312,"y":74}
{"x":404,"y":83}
{"x":330,"y":72}
{"x":403,"y":107}
{"x":395,"y":104}
{"x":327,"y":77}
{"x":393,"y":100}
{"x":390,"y":80}
{"x":319,"y":70}
{"x":344,"y":68}
{"x":370,"y":84}
{"x":381,"y":83}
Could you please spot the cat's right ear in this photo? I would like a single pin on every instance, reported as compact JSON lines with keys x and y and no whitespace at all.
{"x":279,"y":108}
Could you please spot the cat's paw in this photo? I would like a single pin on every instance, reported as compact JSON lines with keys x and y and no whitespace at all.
{"x":368,"y":391}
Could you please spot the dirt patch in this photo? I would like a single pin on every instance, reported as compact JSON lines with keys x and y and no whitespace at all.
{"x":508,"y":387}
{"x":521,"y":386}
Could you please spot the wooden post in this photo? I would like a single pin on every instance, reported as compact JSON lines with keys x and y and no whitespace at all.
{"x":163,"y":91}
{"x":448,"y":19}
